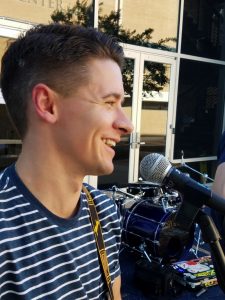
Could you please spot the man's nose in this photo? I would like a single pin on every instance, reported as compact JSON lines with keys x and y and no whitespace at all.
{"x":123,"y":123}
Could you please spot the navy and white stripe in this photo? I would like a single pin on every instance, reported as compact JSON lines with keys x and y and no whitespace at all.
{"x":43,"y":256}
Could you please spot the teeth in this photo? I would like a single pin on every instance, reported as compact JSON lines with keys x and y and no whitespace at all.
{"x":109,"y":142}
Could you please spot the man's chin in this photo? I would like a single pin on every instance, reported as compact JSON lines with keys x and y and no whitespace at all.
{"x":105,"y":171}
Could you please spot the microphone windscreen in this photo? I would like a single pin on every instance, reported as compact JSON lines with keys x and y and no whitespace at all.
{"x":154,"y":168}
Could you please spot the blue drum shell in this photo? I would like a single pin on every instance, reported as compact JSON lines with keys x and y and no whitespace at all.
{"x":148,"y":224}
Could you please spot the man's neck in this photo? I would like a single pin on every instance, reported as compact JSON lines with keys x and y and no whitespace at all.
{"x":56,"y":189}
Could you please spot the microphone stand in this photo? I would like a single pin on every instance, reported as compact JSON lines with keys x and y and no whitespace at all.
{"x":190,"y":212}
{"x":211,"y":236}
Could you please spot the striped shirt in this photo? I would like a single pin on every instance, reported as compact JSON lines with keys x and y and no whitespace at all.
{"x":43,"y":256}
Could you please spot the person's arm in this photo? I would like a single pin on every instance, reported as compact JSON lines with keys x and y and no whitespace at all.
{"x":116,"y":288}
{"x":219,"y":182}
{"x":219,"y":188}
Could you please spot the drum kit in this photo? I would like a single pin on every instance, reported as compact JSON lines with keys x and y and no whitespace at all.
{"x":147,"y":213}
{"x":151,"y":232}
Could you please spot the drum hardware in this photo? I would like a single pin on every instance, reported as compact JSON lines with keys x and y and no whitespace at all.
{"x":165,"y":203}
{"x":143,"y":248}
{"x":125,"y":201}
{"x":144,"y":190}
{"x":168,"y":203}
{"x":115,"y":189}
{"x":122,"y":199}
{"x":139,"y":251}
{"x":199,"y":242}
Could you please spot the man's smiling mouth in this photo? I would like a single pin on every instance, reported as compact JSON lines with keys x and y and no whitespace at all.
{"x":109,"y":142}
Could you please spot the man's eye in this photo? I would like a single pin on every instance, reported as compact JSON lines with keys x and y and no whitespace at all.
{"x":110,"y":103}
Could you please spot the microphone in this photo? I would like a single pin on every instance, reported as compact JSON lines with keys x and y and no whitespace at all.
{"x":157,"y":169}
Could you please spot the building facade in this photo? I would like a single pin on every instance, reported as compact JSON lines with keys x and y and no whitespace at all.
{"x":174,"y":90}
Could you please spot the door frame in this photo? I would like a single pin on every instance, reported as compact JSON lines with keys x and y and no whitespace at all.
{"x":140,"y":55}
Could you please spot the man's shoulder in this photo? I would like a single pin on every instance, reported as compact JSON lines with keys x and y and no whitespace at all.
{"x":8,"y":194}
{"x":7,"y":184}
{"x":96,"y":193}
{"x":103,"y":203}
{"x":4,"y":177}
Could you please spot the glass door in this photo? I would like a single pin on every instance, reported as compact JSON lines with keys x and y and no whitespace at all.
{"x":156,"y":102}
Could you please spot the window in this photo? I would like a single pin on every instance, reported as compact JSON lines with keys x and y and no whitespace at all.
{"x":203,"y":28}
{"x":200,"y":107}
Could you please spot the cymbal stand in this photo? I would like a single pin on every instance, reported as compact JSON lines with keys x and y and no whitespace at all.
{"x":199,"y":241}
{"x":211,"y":236}
{"x":204,"y":176}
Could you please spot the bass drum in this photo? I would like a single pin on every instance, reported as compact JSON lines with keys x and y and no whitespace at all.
{"x":149,"y":226}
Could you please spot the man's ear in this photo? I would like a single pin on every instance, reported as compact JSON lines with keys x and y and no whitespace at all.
{"x":44,"y":102}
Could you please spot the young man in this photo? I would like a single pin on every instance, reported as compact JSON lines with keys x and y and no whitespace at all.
{"x":63,"y":90}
